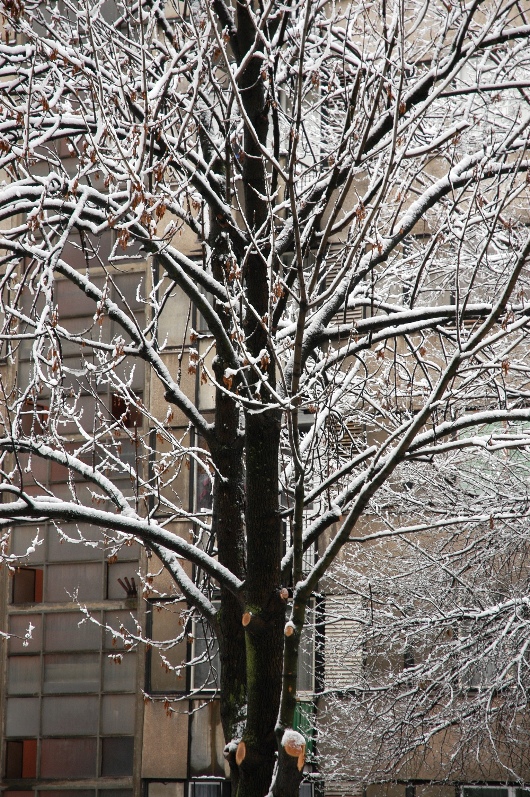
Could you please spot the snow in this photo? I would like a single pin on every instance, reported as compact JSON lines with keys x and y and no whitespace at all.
{"x":293,"y":740}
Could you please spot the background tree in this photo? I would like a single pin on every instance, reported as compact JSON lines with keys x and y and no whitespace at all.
{"x":355,"y":179}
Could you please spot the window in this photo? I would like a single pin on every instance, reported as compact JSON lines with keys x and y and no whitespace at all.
{"x":306,"y":656}
{"x":21,"y":758}
{"x":494,"y":791}
{"x":344,"y":652}
{"x":207,"y":788}
{"x":73,"y":687}
{"x":206,"y":672}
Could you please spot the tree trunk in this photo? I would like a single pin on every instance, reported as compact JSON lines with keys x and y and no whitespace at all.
{"x":228,"y":528}
{"x":265,"y":609}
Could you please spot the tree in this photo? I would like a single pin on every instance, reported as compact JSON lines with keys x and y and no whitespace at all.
{"x":355,"y":178}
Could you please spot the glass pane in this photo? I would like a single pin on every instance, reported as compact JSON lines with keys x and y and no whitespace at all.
{"x":120,"y":676}
{"x":68,"y":758}
{"x":64,"y":632}
{"x":27,"y":633}
{"x":13,"y":793}
{"x":61,"y":550}
{"x":115,"y":621}
{"x":72,"y":715}
{"x":23,"y":675}
{"x":13,"y":765}
{"x":126,"y":286}
{"x":22,"y":539}
{"x":125,"y":573}
{"x":206,"y":789}
{"x":74,"y":582}
{"x":22,"y":716}
{"x":29,"y":758}
{"x":126,"y":551}
{"x":206,"y":672}
{"x":117,"y":714}
{"x":71,"y":673}
{"x":72,"y":301}
{"x":117,"y":756}
{"x":484,"y":791}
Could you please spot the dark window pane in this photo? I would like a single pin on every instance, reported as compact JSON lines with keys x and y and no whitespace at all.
{"x":115,"y":793}
{"x":68,"y":758}
{"x":484,"y":791}
{"x":21,"y":759}
{"x":27,"y":585}
{"x":71,"y":673}
{"x":14,"y":752}
{"x":64,"y":632}
{"x":26,"y":630}
{"x":121,"y":410}
{"x":72,"y":715}
{"x":23,"y":675}
{"x":117,"y":756}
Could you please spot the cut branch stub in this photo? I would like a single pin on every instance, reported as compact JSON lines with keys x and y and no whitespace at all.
{"x":241,"y":753}
{"x":294,"y":745}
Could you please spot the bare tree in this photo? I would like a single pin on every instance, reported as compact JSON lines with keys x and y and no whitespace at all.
{"x":341,"y":193}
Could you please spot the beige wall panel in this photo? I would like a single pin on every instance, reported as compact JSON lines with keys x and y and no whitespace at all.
{"x":173,"y":326}
{"x":357,"y":190}
{"x":184,"y":239}
{"x":159,"y":405}
{"x":207,"y":389}
{"x":165,"y":742}
{"x":174,"y":470}
{"x":162,"y":583}
{"x":443,"y":760}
